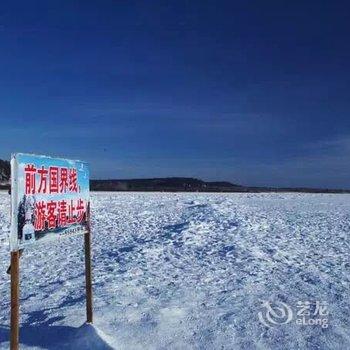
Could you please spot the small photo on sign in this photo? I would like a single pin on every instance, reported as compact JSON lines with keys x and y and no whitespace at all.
{"x":50,"y":198}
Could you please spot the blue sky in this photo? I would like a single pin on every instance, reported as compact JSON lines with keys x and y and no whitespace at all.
{"x":250,"y":92}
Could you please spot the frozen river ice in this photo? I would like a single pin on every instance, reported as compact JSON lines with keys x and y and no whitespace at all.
{"x":191,"y":271}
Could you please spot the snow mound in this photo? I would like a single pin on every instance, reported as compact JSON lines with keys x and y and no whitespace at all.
{"x":85,"y":337}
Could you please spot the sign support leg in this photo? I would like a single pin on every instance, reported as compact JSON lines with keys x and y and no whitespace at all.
{"x":14,"y":338}
{"x":88,"y":279}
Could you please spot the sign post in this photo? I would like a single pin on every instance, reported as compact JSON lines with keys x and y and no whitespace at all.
{"x":50,"y":199}
{"x":88,"y":278}
{"x":14,"y":337}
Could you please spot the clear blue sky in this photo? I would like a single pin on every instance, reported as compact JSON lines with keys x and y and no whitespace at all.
{"x":253,"y":92}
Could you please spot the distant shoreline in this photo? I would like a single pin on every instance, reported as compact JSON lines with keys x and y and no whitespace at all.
{"x":190,"y":185}
{"x":311,"y":191}
{"x":176,"y":184}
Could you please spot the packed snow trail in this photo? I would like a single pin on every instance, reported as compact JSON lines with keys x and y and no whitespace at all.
{"x":187,"y":271}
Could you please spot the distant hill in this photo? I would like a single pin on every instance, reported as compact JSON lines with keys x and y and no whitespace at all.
{"x":5,"y":173}
{"x":184,"y":184}
{"x":170,"y":184}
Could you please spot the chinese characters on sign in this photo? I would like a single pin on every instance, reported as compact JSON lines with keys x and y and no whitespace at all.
{"x":60,"y":179}
{"x":58,"y":214}
{"x":50,"y":198}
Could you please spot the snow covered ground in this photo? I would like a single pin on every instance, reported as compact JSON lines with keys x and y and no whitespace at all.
{"x":189,"y":271}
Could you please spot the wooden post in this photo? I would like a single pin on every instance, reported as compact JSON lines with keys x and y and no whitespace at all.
{"x":88,"y":278}
{"x":14,"y":337}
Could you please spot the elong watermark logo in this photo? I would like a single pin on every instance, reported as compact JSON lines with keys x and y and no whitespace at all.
{"x":308,"y":313}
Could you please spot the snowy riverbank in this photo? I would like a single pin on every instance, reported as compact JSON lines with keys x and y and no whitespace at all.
{"x":188,"y":271}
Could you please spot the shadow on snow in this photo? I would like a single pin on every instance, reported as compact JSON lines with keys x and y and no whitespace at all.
{"x":58,"y":337}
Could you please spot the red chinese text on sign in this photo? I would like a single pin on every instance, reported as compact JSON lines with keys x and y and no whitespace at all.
{"x":29,"y":171}
{"x":53,"y":179}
